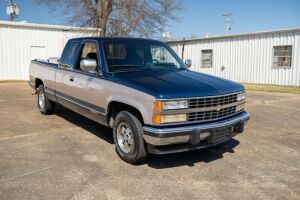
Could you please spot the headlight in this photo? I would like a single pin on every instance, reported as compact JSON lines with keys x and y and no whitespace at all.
{"x":171,"y":105}
{"x":241,"y":96}
{"x":160,"y":106}
{"x":161,"y":119}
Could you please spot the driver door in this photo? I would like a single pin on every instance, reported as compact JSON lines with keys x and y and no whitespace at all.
{"x":88,"y":85}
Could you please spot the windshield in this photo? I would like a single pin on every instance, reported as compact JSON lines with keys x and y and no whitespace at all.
{"x":134,"y":56}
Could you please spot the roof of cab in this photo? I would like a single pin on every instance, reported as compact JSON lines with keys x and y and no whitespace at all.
{"x":115,"y":38}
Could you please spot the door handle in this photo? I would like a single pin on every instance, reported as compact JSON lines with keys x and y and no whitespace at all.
{"x":71,"y":78}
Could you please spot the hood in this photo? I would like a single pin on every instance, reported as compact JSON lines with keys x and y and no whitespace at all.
{"x":176,"y":83}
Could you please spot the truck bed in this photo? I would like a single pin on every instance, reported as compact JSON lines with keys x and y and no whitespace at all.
{"x":43,"y":70}
{"x":47,"y":63}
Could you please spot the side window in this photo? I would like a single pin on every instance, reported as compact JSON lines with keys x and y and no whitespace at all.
{"x":68,"y":55}
{"x":282,"y":57}
{"x":89,"y":51}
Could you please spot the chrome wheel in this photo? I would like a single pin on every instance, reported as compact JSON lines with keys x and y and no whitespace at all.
{"x":41,"y":99}
{"x":125,"y":138}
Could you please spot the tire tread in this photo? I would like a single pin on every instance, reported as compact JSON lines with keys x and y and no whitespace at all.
{"x":141,"y":154}
{"x":49,"y":105}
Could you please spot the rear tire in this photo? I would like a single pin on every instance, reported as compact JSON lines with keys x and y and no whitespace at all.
{"x":128,"y":138}
{"x":46,"y":106}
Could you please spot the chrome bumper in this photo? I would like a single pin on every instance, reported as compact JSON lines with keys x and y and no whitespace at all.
{"x":175,"y":135}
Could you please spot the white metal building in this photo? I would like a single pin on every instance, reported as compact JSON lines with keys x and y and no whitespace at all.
{"x":271,"y":57}
{"x":22,"y":42}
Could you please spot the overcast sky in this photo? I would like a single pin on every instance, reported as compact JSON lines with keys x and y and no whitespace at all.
{"x":198,"y":17}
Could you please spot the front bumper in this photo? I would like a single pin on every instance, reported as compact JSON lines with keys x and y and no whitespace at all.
{"x":196,"y":136}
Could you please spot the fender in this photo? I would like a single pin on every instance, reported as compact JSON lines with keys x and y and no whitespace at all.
{"x":140,"y":106}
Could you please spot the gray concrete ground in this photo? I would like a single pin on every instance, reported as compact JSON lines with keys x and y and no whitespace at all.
{"x":66,"y":156}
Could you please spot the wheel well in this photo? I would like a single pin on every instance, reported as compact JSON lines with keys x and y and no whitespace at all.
{"x":38,"y":82}
{"x":115,"y":107}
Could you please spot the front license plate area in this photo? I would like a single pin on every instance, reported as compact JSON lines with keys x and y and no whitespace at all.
{"x":219,"y":135}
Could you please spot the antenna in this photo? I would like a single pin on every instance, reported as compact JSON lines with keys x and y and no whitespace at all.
{"x":228,"y":22}
{"x":12,"y":9}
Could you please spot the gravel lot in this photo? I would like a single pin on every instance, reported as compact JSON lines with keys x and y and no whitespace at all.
{"x":66,"y":156}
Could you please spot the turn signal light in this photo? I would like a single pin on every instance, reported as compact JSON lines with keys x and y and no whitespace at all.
{"x":156,"y":119}
{"x":158,"y":106}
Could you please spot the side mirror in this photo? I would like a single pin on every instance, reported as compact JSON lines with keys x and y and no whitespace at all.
{"x":88,"y":65}
{"x":188,"y":63}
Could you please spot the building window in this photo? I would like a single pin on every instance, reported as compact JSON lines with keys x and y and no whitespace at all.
{"x":206,"y":58}
{"x":282,"y":56}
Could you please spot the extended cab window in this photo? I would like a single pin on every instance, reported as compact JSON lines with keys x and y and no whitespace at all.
{"x":89,"y":53}
{"x":68,"y":55}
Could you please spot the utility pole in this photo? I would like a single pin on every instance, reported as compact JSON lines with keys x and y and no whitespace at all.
{"x":228,"y":22}
{"x":165,"y":36}
{"x":12,"y":10}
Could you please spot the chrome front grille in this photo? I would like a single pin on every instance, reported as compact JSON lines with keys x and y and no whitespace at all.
{"x":211,"y":115}
{"x":213,"y":107}
{"x":212,"y":101}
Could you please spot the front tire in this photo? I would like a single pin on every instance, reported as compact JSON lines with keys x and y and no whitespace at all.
{"x":46,"y":106}
{"x":128,"y":138}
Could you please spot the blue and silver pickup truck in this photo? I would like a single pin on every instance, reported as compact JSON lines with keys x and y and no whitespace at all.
{"x":144,"y":92}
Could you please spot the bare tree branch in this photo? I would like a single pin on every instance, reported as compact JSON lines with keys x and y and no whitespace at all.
{"x":142,"y":18}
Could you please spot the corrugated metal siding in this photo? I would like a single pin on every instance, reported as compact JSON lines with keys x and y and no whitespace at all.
{"x":16,"y":43}
{"x":246,"y":58}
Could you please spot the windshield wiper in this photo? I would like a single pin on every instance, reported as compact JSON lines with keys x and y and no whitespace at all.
{"x":125,"y":67}
{"x":165,"y":64}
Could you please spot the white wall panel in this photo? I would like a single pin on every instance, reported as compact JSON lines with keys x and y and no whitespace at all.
{"x":18,"y":39}
{"x":246,"y":57}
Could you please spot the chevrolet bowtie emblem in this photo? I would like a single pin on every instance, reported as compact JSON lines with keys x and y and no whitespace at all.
{"x":218,"y":107}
